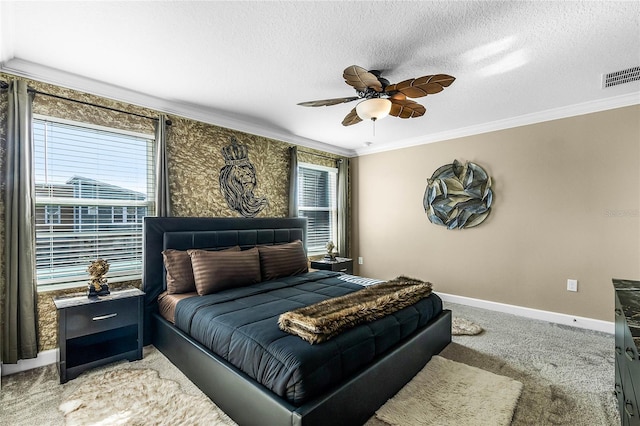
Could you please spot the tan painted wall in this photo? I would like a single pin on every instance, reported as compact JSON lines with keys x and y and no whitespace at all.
{"x":566,"y":205}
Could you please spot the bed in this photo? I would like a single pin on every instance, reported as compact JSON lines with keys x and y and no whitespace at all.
{"x":361,"y":389}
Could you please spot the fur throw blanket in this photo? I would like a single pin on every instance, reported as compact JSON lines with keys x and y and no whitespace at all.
{"x":321,"y":321}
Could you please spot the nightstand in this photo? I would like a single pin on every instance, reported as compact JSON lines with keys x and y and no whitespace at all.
{"x":99,"y":330}
{"x":341,"y":264}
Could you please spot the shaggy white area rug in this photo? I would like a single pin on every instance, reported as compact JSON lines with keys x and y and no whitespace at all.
{"x":461,"y":326}
{"x":448,"y":393}
{"x":136,"y":397}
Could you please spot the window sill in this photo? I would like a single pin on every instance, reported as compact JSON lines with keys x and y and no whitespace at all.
{"x":83,"y":284}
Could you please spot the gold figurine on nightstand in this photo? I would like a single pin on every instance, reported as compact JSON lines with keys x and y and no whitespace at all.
{"x":97,"y":283}
{"x":330,"y":254}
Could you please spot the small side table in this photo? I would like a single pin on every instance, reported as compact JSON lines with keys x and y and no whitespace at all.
{"x":341,"y":264}
{"x":99,"y":330}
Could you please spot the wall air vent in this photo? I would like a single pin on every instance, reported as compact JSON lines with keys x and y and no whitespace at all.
{"x":620,"y":77}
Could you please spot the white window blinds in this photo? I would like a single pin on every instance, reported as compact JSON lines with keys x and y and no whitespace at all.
{"x":93,"y":187}
{"x":317,"y":187}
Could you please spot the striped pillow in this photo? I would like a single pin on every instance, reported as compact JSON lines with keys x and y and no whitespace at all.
{"x":283,"y":260}
{"x":179,"y":274}
{"x":177,"y":263}
{"x":218,"y":270}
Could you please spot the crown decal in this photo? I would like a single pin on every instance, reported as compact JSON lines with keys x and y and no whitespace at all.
{"x":235,"y":154}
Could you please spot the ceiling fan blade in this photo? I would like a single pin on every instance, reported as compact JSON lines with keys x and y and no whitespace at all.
{"x":351,"y":118}
{"x":399,"y":96}
{"x":422,"y":86}
{"x":328,"y":102}
{"x":361,"y":79}
{"x":406,"y":108}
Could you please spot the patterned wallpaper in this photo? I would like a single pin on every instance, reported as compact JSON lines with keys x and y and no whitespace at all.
{"x":194,"y":151}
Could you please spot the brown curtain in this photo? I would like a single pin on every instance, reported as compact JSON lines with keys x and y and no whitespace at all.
{"x":163,"y":199}
{"x":293,"y":181}
{"x":20,"y":330}
{"x":343,"y":207}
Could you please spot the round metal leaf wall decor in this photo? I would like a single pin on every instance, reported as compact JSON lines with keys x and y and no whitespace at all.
{"x":458,"y":195}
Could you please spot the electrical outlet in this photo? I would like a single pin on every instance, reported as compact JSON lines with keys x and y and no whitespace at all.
{"x":360,"y":261}
{"x":572,"y":285}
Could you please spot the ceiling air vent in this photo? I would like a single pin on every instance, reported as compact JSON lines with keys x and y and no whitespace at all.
{"x":620,"y":77}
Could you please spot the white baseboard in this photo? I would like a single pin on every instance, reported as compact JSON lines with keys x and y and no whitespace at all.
{"x":44,"y":358}
{"x":555,"y":317}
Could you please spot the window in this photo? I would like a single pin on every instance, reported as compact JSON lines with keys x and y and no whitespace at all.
{"x":93,"y":187}
{"x":317,"y":187}
{"x":52,"y":214}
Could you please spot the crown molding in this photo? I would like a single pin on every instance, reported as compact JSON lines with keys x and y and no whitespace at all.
{"x":522,"y":120}
{"x":57,"y":77}
{"x":33,"y":71}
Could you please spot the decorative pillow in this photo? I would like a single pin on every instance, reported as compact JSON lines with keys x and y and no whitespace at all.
{"x":283,"y":260}
{"x":179,"y":272}
{"x":218,"y":270}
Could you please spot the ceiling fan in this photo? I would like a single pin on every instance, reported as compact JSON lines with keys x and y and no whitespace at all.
{"x":380,"y":98}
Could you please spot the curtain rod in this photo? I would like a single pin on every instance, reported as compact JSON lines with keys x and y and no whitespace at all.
{"x":320,"y":155}
{"x":168,"y":122}
{"x":5,"y":85}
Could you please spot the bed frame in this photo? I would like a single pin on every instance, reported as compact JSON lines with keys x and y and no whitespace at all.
{"x":246,"y":401}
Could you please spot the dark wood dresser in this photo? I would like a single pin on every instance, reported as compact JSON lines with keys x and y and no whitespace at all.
{"x":98,"y":330}
{"x":627,"y":340}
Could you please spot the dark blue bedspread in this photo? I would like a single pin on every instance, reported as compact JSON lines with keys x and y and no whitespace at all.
{"x":241,"y":325}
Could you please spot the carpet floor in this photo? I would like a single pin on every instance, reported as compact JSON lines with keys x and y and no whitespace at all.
{"x":449,"y":393}
{"x":567,"y":373}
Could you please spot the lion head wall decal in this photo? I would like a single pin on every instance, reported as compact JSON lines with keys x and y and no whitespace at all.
{"x":238,"y":181}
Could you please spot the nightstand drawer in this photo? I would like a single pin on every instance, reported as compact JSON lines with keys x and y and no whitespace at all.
{"x":340,"y":264}
{"x":98,"y":317}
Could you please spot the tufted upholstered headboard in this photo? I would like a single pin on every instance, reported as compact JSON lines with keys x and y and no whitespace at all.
{"x":182,"y":233}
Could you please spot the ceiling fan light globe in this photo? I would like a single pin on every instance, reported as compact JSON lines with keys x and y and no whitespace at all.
{"x":373,"y":109}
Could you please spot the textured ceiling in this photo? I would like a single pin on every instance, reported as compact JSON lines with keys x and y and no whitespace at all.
{"x":246,"y":65}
